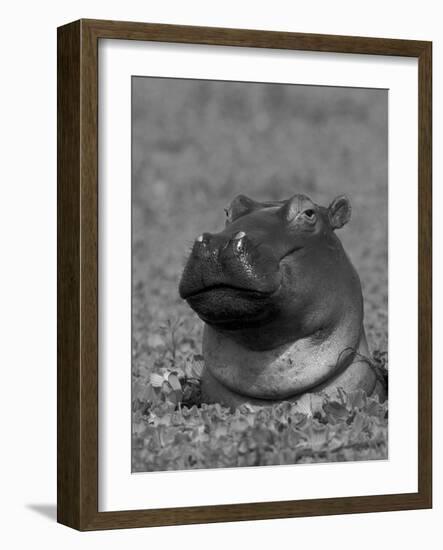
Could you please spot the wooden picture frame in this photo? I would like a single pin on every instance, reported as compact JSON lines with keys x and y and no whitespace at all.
{"x":77,"y":456}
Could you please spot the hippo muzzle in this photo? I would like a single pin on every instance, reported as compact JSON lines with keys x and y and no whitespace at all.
{"x":231,"y":279}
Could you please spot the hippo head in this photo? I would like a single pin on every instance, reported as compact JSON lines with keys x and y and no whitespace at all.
{"x":266,"y":278}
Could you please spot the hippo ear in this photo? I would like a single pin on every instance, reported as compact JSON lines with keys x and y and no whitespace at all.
{"x":240,"y":206}
{"x":339,"y":212}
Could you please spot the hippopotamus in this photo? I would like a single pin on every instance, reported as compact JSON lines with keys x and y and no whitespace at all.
{"x":282,"y":305}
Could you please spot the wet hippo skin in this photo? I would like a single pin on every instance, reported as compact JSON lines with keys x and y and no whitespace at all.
{"x":281,"y":302}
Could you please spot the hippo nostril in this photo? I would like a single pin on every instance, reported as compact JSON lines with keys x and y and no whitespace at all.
{"x":200,"y":244}
{"x":238,"y":241}
{"x":239,"y":245}
{"x":204,"y":238}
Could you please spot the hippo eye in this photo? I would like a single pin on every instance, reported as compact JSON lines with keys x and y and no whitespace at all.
{"x":310,"y":215}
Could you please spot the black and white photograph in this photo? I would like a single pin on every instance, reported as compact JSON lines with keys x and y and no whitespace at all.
{"x":220,"y":284}
{"x":259,"y":274}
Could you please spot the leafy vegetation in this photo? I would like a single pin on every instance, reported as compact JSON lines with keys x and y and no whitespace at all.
{"x":172,"y":431}
{"x":195,"y":146}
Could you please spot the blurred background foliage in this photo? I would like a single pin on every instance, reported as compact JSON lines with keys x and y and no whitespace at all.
{"x":196,"y":144}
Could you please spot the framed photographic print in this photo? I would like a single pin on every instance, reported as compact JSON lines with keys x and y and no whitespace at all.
{"x":244,"y":274}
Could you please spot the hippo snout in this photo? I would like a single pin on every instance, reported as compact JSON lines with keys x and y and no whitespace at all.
{"x":229,"y":276}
